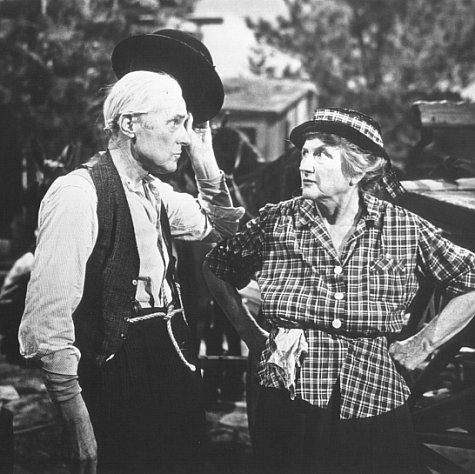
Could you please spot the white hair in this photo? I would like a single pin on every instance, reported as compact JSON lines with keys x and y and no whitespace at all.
{"x":137,"y":92}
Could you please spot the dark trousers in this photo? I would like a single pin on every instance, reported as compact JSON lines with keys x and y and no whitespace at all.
{"x":146,"y":406}
{"x":292,"y":436}
{"x":6,"y":441}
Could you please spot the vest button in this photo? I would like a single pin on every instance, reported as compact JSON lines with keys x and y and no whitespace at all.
{"x":122,"y":335}
{"x":337,"y":270}
{"x":339,"y":295}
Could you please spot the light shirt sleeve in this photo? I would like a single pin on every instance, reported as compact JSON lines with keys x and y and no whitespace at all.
{"x":67,"y":232}
{"x":211,"y":216}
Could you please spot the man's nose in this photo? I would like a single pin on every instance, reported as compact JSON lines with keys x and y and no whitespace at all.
{"x":184,"y":137}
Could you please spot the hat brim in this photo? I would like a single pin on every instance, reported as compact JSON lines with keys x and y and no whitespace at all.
{"x":202,"y":87}
{"x":298,"y":135}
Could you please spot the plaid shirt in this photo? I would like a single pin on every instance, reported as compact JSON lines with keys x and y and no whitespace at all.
{"x":305,"y":283}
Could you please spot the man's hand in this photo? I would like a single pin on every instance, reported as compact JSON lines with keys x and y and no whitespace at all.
{"x":409,"y":353}
{"x":201,"y":149}
{"x":200,"y":137}
{"x":81,"y":443}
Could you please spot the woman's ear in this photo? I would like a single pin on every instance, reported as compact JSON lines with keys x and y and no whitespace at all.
{"x":354,"y":180}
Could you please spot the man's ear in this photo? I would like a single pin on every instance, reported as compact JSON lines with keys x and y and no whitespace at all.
{"x":126,"y":125}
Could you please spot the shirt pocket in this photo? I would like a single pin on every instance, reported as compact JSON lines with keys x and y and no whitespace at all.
{"x":387,"y":279}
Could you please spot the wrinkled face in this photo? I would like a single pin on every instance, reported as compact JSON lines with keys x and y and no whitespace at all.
{"x":321,"y":171}
{"x":161,"y":134}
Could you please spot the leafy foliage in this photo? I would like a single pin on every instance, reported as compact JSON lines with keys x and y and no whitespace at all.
{"x":56,"y":65}
{"x":378,"y":56}
{"x":55,"y":69}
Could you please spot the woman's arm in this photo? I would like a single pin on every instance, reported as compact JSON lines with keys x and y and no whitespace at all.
{"x":456,"y":315}
{"x":240,"y":317}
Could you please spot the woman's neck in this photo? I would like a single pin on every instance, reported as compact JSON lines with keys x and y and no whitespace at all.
{"x":341,"y":210}
{"x":340,"y":219}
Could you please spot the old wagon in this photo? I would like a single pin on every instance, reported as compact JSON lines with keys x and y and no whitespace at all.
{"x":443,"y":390}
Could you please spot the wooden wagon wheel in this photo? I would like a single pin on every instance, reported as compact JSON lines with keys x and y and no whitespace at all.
{"x":427,"y":415}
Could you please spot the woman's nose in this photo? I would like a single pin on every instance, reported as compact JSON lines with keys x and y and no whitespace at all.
{"x":306,"y":165}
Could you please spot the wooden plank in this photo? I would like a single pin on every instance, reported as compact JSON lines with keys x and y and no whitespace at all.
{"x":423,"y":185}
{"x":445,"y":114}
{"x":456,"y":440}
{"x":452,"y":211}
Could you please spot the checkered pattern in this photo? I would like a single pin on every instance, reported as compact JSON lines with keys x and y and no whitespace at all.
{"x":364,"y":124}
{"x":305,"y":283}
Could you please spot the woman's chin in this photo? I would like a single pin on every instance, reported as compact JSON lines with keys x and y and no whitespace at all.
{"x":309,"y":194}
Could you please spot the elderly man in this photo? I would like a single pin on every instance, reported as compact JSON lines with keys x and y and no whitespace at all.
{"x":103,"y":311}
{"x":337,"y":269}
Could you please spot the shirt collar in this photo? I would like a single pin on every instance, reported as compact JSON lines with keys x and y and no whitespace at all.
{"x":372,"y":209}
{"x":308,"y":214}
{"x":131,"y":172}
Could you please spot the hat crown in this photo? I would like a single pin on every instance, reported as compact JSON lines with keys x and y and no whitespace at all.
{"x":187,"y":39}
{"x":354,"y":119}
{"x":182,"y":56}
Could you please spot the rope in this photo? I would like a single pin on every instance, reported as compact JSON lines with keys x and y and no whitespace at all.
{"x":192,"y":367}
{"x":166,"y":316}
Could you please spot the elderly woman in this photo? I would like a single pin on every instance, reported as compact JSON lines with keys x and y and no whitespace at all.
{"x":337,"y":269}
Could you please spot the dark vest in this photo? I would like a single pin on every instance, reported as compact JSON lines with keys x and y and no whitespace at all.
{"x":101,"y":319}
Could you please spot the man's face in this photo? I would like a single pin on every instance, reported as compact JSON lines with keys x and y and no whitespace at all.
{"x":161,"y":134}
{"x":321,"y":171}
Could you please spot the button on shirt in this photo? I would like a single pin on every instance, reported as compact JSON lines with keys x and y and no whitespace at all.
{"x":144,"y":203}
{"x":306,"y":284}
{"x":68,"y":228}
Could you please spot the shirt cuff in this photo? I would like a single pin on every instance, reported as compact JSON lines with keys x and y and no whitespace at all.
{"x":61,"y":388}
{"x":62,"y":362}
{"x":212,"y":183}
{"x":225,"y":220}
{"x":215,"y":190}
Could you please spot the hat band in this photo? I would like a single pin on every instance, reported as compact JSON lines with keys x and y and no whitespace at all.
{"x":346,"y":131}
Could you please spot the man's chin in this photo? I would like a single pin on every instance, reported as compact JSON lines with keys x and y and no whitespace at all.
{"x":161,"y":170}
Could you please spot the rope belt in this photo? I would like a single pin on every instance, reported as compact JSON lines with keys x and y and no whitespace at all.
{"x":166,"y":316}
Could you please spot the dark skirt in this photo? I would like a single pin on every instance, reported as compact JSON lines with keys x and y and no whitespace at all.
{"x":292,"y":436}
{"x":146,"y":406}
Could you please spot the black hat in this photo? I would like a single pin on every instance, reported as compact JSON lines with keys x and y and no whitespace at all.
{"x":182,"y":56}
{"x":356,"y":127}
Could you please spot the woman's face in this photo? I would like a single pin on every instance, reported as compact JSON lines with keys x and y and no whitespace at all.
{"x":321,"y":171}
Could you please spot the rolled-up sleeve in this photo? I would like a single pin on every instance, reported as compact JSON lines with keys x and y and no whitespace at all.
{"x":451,"y":267}
{"x":66,"y":236}
{"x":211,"y":217}
{"x":238,"y":258}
